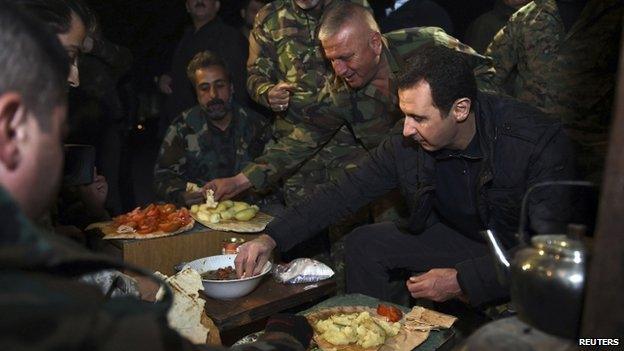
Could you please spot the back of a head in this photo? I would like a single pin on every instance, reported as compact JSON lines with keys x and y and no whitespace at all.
{"x":448,"y":72}
{"x":56,"y":14}
{"x":343,"y":13}
{"x":32,"y":62}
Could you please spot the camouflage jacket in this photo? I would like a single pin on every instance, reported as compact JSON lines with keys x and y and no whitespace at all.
{"x":569,"y":75}
{"x":344,"y":123}
{"x":283,"y":47}
{"x":194,"y":150}
{"x":45,"y":307}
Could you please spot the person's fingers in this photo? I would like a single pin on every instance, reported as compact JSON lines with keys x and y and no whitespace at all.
{"x":262,"y":260}
{"x":239,"y":262}
{"x":250,"y":262}
{"x":289,"y":87}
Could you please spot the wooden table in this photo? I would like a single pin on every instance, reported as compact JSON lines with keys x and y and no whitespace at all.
{"x":269,"y":298}
{"x":161,"y":254}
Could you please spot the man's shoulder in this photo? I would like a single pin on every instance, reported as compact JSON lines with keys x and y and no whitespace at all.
{"x":271,"y":11}
{"x":409,"y":38}
{"x":516,"y":119}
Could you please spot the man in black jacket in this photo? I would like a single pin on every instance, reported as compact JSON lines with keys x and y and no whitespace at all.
{"x":463,"y":164}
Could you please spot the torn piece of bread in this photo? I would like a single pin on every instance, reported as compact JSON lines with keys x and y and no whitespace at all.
{"x":187,"y":311}
{"x":210,"y":200}
{"x":192,"y":187}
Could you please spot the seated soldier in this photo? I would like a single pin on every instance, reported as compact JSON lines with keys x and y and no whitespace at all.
{"x":463,"y":163}
{"x":43,"y":306}
{"x":214,"y":139}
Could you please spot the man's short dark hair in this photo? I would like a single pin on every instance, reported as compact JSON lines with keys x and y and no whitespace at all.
{"x":204,"y":59}
{"x":448,"y":73}
{"x":33,"y":63}
{"x":56,"y":14}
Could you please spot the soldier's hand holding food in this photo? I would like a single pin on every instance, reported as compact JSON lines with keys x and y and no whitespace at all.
{"x":252,"y":256}
{"x":227,"y":188}
{"x":279,"y":96}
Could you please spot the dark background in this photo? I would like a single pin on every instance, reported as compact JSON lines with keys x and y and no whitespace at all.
{"x":152,"y":28}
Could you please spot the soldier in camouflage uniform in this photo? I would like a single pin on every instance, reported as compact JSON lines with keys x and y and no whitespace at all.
{"x":214,"y":139}
{"x":287,"y":70}
{"x":564,"y":62}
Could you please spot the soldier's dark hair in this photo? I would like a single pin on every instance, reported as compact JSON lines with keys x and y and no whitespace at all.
{"x":33,"y":63}
{"x":205,"y":59}
{"x":448,"y":73}
{"x":338,"y":16}
{"x":57,"y":14}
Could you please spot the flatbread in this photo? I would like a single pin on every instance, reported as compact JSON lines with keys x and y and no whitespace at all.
{"x":109,"y":229}
{"x":254,"y":225}
{"x":423,"y":316}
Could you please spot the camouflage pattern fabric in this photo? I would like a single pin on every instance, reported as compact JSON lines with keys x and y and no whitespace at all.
{"x":283,"y":47}
{"x":570,"y":75}
{"x":194,"y":150}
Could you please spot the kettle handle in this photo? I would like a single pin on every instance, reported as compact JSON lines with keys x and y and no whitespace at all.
{"x":523,"y":236}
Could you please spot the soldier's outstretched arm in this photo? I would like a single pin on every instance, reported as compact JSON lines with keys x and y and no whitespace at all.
{"x":375,"y":175}
{"x":282,"y":157}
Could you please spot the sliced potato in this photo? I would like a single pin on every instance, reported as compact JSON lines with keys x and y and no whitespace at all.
{"x":239,"y":206}
{"x":227,"y":214}
{"x":221,"y":207}
{"x":228,"y":203}
{"x":215,"y":218}
{"x":245,"y":214}
{"x":203,"y":216}
{"x":194,"y":208}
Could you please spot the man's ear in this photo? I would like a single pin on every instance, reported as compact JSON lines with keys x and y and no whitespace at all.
{"x":375,"y":42}
{"x":218,"y":5}
{"x":12,"y":115}
{"x":461,"y":109}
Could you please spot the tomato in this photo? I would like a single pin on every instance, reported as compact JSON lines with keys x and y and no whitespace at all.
{"x":167,"y":208}
{"x":392,"y":313}
{"x":170,"y":226}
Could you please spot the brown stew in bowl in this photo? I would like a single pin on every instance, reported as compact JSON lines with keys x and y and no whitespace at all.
{"x":224,"y":273}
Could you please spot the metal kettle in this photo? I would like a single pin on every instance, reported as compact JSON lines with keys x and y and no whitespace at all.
{"x":546,"y":278}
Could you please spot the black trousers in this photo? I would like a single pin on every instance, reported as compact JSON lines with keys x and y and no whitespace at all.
{"x":375,"y":253}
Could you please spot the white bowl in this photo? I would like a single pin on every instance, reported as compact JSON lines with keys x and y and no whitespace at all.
{"x":226,"y":289}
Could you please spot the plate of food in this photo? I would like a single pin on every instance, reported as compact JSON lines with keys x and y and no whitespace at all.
{"x":230,"y":216}
{"x":152,"y":221}
{"x":362,"y":328}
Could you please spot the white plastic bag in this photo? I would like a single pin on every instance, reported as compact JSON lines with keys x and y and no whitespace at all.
{"x":302,"y":270}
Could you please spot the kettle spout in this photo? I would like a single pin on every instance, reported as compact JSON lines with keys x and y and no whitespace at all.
{"x":501,"y":261}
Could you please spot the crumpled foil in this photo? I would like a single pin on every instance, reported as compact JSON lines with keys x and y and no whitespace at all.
{"x":302,"y":270}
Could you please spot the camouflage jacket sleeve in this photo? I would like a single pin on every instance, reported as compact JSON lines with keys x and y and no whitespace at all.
{"x":170,"y":165}
{"x":261,"y":68}
{"x":504,"y":50}
{"x":297,"y":143}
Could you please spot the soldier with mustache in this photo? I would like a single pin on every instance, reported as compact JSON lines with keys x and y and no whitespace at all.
{"x":215,"y":138}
